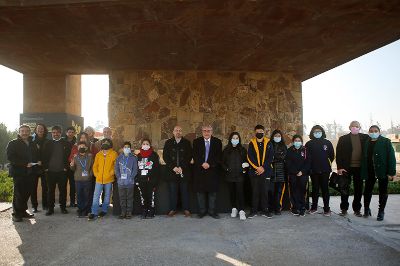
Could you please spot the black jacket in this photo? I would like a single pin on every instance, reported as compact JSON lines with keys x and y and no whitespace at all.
{"x":152,"y":166}
{"x":40,"y":142}
{"x":297,"y":160}
{"x":206,"y":180}
{"x":321,"y":154}
{"x":48,"y":152}
{"x":177,"y":155}
{"x":19,"y":154}
{"x":232,"y":160}
{"x":278,"y":162}
{"x":344,"y":150}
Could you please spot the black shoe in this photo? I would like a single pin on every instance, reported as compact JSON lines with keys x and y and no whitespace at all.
{"x":295,"y":212}
{"x":150,"y":213}
{"x":367,"y":212}
{"x":64,"y":211}
{"x":144,"y":214}
{"x":358,"y":213}
{"x":17,"y":219}
{"x":49,"y":212}
{"x":267,"y":214}
{"x":27,"y":215}
{"x":343,"y":213}
{"x":201,"y":215}
{"x":381,"y":215}
{"x":121,"y":216}
{"x":102,"y":214}
{"x":35,"y":210}
{"x":278,"y":212}
{"x":91,"y":217}
{"x":302,"y":213}
{"x":214,"y":215}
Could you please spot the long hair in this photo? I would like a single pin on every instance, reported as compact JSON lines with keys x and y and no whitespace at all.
{"x":230,"y":146}
{"x":277,"y":131}
{"x":46,"y":131}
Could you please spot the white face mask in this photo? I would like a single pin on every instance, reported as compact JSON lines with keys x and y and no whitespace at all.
{"x":127,"y":151}
{"x":145,"y":147}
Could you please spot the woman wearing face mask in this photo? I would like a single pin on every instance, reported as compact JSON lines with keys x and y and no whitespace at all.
{"x":103,"y":169}
{"x":234,"y":163}
{"x":125,"y":172}
{"x":147,"y":177}
{"x":378,"y":162}
{"x":298,"y":166}
{"x":321,"y":153}
{"x":278,"y":172}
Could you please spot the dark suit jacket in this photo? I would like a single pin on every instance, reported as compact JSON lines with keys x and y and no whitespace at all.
{"x":171,"y":152}
{"x":344,"y":150}
{"x":206,"y":180}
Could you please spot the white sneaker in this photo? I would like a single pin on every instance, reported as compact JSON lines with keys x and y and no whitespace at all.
{"x":242,"y":215}
{"x":234,"y":213}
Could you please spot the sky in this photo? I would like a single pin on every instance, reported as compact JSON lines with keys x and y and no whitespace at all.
{"x":365,"y":89}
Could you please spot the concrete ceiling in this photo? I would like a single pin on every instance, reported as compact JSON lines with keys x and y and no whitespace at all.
{"x":302,"y":37}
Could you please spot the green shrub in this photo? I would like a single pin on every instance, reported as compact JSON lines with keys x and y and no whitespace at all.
{"x":393,"y":188}
{"x":6,"y":187}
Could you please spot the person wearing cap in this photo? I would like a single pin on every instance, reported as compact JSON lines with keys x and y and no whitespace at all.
{"x":103,"y":169}
{"x":23,"y":155}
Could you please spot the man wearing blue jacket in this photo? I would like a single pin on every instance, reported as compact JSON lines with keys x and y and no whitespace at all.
{"x":260,"y":155}
{"x":125,"y":172}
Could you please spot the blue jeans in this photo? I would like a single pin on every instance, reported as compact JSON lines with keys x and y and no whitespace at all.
{"x":96,"y":197}
{"x":83,"y":192}
{"x":173,"y":195}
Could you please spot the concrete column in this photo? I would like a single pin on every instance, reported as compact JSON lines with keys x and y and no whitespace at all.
{"x":52,"y":100}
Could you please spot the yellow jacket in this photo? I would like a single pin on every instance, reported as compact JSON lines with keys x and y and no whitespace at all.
{"x":103,"y":167}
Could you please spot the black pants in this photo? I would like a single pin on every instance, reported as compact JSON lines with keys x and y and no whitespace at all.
{"x":72,"y":191}
{"x":298,"y":192}
{"x":277,"y":195}
{"x":201,"y":199}
{"x":59,"y":179}
{"x":147,"y":195}
{"x":355,"y":174}
{"x":236,"y":195}
{"x":34,"y":200}
{"x":383,"y":190}
{"x":320,"y":181}
{"x":261,"y":189}
{"x":22,"y":191}
{"x":115,"y":199}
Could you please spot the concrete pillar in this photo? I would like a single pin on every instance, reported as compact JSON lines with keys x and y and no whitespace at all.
{"x":52,"y":100}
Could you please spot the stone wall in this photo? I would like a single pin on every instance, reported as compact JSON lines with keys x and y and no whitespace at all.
{"x":150,"y":103}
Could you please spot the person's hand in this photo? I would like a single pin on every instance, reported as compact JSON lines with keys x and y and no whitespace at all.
{"x":65,"y":170}
{"x":72,"y":163}
{"x":205,"y":166}
{"x":39,"y":162}
{"x":46,"y":170}
{"x":29,"y":165}
{"x":245,"y":165}
{"x":341,"y":171}
{"x":391,"y":177}
{"x":260,"y":170}
{"x":180,"y":170}
{"x":176,"y":170}
{"x":300,"y":173}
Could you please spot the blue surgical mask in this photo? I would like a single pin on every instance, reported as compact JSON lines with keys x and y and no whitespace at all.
{"x":277,"y":139}
{"x":317,"y":135}
{"x":297,"y":144}
{"x":234,"y":142}
{"x":127,"y":151}
{"x":374,"y":135}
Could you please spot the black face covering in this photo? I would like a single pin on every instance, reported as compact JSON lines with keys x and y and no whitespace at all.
{"x":105,"y":146}
{"x":259,"y":135}
{"x":82,"y":150}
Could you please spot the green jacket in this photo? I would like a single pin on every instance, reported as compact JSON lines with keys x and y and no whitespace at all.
{"x":383,"y":159}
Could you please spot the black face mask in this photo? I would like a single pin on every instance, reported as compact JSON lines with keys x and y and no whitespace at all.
{"x":259,"y":135}
{"x":105,"y":147}
{"x":82,"y":150}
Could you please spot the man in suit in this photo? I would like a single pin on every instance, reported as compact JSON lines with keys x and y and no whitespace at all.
{"x":207,"y":154}
{"x":349,"y":152}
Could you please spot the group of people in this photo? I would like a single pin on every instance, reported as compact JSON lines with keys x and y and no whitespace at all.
{"x":97,"y":171}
